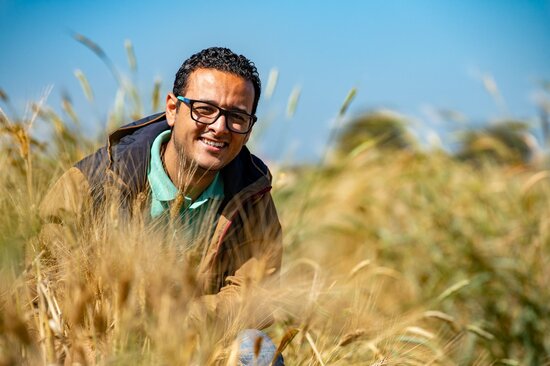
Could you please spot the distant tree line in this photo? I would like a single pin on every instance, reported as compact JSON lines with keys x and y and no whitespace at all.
{"x":503,"y":142}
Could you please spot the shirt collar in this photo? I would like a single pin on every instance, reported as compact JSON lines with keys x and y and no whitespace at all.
{"x":213,"y":191}
{"x":162,"y":187}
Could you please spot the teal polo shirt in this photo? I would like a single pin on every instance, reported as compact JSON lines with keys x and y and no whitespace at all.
{"x":195,"y":215}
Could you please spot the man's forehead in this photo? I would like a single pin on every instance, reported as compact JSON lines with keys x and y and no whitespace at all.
{"x":216,"y":77}
{"x":213,"y":85}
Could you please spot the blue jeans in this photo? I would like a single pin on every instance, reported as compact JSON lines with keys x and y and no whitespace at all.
{"x":247,"y":339}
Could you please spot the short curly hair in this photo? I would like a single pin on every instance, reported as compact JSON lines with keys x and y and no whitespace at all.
{"x":222,"y":59}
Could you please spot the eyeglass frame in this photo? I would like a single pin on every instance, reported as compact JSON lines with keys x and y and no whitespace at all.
{"x":225,"y":112}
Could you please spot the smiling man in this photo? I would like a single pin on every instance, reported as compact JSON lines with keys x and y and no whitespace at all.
{"x":191,"y":164}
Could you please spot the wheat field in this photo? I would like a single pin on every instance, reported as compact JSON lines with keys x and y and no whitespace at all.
{"x":392,"y":257}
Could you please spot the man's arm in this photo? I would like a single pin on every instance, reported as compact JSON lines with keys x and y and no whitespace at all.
{"x":60,"y":211}
{"x":249,"y":295}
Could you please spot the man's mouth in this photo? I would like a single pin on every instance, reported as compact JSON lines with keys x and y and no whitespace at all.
{"x":217,"y":144}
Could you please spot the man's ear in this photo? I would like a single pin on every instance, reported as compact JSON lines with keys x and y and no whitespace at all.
{"x":171,"y":109}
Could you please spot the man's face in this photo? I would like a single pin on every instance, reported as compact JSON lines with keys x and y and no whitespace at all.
{"x":193,"y":141}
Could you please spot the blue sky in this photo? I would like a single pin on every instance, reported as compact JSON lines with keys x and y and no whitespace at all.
{"x":410,"y":56}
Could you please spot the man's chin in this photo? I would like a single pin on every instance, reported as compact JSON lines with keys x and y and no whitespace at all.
{"x":200,"y":165}
{"x":210,"y":166}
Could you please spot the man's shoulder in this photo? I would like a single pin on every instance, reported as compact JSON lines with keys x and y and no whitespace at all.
{"x":251,"y":163}
{"x":260,"y":166}
{"x":146,"y":128}
{"x":126,"y":153}
{"x":244,"y":171}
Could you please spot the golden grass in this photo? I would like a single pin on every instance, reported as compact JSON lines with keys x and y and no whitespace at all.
{"x":391,"y":257}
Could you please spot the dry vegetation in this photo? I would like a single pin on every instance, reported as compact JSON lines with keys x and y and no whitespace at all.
{"x":392,"y":256}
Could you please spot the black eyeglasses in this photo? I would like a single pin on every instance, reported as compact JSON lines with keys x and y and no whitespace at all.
{"x":208,"y":113}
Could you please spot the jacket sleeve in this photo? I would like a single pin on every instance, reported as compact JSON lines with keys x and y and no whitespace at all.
{"x":61,"y":210}
{"x":68,"y":197}
{"x":249,"y":296}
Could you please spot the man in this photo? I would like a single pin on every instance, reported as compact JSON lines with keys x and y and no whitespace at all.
{"x":191,"y":163}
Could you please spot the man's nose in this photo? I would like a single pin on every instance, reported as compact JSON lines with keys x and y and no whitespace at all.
{"x":220,"y":125}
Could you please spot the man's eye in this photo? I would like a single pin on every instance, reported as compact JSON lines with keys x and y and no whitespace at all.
{"x":206,"y":110}
{"x":239,"y":118}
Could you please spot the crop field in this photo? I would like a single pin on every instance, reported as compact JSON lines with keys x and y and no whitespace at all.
{"x":393,"y":255}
